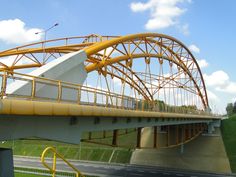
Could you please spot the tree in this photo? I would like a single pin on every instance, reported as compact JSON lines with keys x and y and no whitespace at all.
{"x":234,"y":108}
{"x":229,"y":108}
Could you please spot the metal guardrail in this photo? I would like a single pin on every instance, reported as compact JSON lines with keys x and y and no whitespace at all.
{"x":79,"y":94}
{"x":56,"y":155}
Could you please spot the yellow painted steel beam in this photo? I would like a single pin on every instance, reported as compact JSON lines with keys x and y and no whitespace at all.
{"x":34,"y":108}
{"x":95,"y":66}
{"x":106,"y":44}
{"x":130,"y":70}
{"x":62,"y":49}
{"x":98,"y":45}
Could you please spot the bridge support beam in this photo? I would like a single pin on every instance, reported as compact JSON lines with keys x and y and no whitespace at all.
{"x":155,"y":137}
{"x":189,"y":131}
{"x":139,"y":136}
{"x":177,"y":134}
{"x":211,"y":126}
{"x":210,"y":129}
{"x":182,"y":148}
{"x":182,"y":139}
{"x":114,"y":139}
{"x":90,"y":135}
{"x":104,"y":133}
{"x":6,"y":163}
{"x":49,"y":127}
{"x":168,"y":135}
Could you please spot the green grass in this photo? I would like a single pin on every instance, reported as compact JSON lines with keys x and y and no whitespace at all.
{"x":85,"y":151}
{"x":27,"y":175}
{"x":228,"y":129}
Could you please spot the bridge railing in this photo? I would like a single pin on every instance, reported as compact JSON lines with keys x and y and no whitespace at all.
{"x":22,"y":86}
{"x":53,"y":168}
{"x":76,"y":40}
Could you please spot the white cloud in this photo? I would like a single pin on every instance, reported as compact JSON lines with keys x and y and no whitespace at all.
{"x":221,"y":82}
{"x":217,"y":78}
{"x":229,"y":88}
{"x":184,"y":29}
{"x":223,"y":90}
{"x":233,"y":100}
{"x":211,"y":96}
{"x":164,"y":13}
{"x":139,"y":6}
{"x":13,"y":31}
{"x":194,"y":48}
{"x":202,"y":63}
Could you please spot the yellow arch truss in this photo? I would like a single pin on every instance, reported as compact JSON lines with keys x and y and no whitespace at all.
{"x":106,"y":54}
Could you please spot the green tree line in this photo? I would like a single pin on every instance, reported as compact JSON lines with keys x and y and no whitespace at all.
{"x":231,"y":108}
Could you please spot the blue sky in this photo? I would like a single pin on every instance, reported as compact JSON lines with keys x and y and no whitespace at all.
{"x":208,"y":25}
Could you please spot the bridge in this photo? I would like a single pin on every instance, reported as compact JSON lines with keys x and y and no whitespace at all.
{"x":58,"y":89}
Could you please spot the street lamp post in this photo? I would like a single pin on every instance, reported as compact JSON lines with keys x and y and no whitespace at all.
{"x":45,"y":37}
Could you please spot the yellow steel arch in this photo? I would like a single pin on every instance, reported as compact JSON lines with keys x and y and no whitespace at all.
{"x":129,"y":47}
{"x":164,"y":41}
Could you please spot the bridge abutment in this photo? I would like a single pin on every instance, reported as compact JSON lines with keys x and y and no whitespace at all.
{"x":205,"y":153}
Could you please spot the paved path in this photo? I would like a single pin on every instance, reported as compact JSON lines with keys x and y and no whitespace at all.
{"x":115,"y":170}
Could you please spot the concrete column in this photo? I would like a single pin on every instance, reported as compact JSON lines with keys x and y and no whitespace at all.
{"x":186,"y":132}
{"x":104,"y":134}
{"x":199,"y":127}
{"x":90,"y":135}
{"x":210,"y":128}
{"x":190,"y":131}
{"x":114,"y":139}
{"x":139,"y":131}
{"x":195,"y":129}
{"x":182,"y":139}
{"x":155,"y":137}
{"x":6,"y":163}
{"x":168,"y":136}
{"x":183,"y":133}
{"x":177,"y":134}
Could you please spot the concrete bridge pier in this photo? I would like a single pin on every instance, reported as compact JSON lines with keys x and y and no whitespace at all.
{"x":6,"y":163}
{"x":212,"y":125}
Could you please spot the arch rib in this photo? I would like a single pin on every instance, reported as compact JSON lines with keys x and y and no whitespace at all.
{"x":106,"y":44}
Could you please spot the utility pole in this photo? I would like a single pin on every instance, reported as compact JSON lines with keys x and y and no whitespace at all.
{"x":45,"y":38}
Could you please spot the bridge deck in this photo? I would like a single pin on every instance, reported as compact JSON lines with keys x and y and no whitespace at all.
{"x":27,"y":107}
{"x":82,"y":101}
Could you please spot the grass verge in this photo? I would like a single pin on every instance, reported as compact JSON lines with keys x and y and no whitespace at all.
{"x":84,"y":151}
{"x":228,"y":129}
{"x":27,"y":175}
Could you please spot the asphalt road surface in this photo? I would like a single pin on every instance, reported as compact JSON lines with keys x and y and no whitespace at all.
{"x":115,"y":170}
